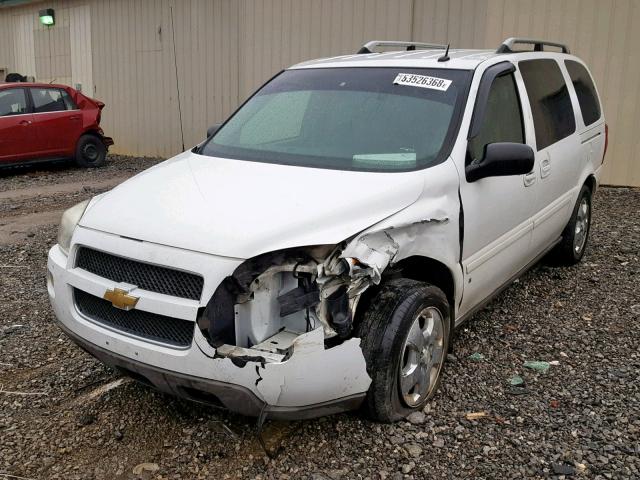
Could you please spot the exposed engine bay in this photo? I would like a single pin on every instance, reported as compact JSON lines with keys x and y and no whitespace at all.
{"x":272,"y":299}
{"x":258,"y":313}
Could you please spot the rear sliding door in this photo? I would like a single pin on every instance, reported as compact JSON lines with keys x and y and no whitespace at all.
{"x":557,"y":148}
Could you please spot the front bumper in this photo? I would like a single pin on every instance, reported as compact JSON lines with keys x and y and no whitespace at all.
{"x":227,"y":395}
{"x":313,"y":381}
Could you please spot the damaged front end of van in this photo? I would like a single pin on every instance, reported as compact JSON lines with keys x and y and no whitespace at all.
{"x":288,"y":317}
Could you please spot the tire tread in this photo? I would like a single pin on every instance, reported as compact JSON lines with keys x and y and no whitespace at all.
{"x":563,"y":254}
{"x":379,"y":332}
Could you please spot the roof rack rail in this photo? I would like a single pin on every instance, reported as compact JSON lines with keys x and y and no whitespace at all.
{"x":370,"y":46}
{"x":538,"y":45}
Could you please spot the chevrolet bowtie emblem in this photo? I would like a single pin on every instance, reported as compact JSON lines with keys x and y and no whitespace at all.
{"x":120,"y":299}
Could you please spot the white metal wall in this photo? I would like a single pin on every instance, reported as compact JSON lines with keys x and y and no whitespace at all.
{"x":134,"y":75}
{"x":606,"y":35}
{"x":226,"y":48}
{"x":80,"y":48}
{"x":278,"y":33}
{"x":22,"y":37}
{"x":6,"y":42}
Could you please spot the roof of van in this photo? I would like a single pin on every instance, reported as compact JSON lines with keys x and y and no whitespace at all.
{"x":463,"y":59}
{"x":458,"y":58}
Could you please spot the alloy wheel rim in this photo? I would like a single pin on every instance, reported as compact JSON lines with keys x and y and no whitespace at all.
{"x":582,"y":226}
{"x":422,"y":356}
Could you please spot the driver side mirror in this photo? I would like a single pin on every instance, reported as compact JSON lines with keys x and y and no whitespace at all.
{"x":213,"y":129}
{"x":500,"y":160}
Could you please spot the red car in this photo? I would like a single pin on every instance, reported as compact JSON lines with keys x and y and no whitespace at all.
{"x":42,"y":122}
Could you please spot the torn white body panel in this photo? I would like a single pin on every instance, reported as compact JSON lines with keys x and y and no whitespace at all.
{"x":428,"y":228}
{"x":314,"y":374}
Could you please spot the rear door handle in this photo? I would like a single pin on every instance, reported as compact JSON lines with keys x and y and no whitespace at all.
{"x":530,"y":179}
{"x":74,"y":117}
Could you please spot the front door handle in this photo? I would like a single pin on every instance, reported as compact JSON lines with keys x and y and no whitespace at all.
{"x":545,"y":167}
{"x":25,"y":122}
{"x":530,"y":179}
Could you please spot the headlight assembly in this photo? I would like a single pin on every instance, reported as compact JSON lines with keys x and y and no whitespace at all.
{"x":70,"y":219}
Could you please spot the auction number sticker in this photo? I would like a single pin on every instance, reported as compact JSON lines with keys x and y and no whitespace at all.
{"x":422,"y":81}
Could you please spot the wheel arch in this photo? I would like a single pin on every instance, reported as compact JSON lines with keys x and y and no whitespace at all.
{"x":430,"y":270}
{"x":591,"y":182}
{"x":96,"y":131}
{"x":416,"y":267}
{"x":90,"y":131}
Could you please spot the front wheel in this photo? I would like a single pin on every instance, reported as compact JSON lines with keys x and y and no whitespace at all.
{"x":405,"y":337}
{"x":90,"y":151}
{"x":575,"y":236}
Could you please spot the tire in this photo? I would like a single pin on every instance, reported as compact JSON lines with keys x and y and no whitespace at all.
{"x":90,"y":151}
{"x":575,"y":235}
{"x":388,"y":335}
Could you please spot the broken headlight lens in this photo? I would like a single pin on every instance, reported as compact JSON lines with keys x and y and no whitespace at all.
{"x":70,"y":219}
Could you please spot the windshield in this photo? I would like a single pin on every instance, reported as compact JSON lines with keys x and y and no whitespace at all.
{"x":372,"y":119}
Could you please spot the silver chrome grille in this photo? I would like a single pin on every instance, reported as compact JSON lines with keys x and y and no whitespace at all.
{"x":144,"y":275}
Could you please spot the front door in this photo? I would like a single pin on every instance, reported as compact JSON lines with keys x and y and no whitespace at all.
{"x":57,"y":119}
{"x":497,"y":210}
{"x":17,"y":134}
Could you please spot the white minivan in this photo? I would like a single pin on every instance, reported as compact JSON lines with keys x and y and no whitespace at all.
{"x":318,"y":250}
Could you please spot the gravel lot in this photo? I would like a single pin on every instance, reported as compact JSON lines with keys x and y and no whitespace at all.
{"x":63,"y":415}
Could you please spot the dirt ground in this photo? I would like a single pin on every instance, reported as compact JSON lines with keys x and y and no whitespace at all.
{"x":63,"y":415}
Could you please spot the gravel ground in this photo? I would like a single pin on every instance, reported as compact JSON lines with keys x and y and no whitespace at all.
{"x":63,"y":415}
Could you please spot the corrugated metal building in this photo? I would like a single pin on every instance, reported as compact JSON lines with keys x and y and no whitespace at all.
{"x":136,"y":55}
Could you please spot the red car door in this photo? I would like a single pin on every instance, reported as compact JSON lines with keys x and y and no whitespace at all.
{"x":17,"y":132}
{"x":57,"y":120}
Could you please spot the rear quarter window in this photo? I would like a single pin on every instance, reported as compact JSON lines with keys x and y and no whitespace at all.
{"x":68,"y":101}
{"x":585,"y":91}
{"x":553,"y":116}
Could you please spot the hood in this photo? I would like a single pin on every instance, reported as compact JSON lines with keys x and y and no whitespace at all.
{"x":240,"y":209}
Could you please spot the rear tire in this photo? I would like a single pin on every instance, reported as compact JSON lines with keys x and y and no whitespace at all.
{"x":575,"y":236}
{"x":90,"y":151}
{"x":405,"y":337}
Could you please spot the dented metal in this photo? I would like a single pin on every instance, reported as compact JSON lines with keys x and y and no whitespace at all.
{"x":353,"y":267}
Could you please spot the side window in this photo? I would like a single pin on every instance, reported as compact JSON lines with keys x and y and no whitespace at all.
{"x":585,"y":90}
{"x":553,"y":116}
{"x":13,"y":101}
{"x":47,"y":100}
{"x":502,"y":119}
{"x":68,"y":101}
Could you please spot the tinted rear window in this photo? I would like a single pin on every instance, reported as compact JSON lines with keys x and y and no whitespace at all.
{"x":585,"y":90}
{"x":553,"y":116}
